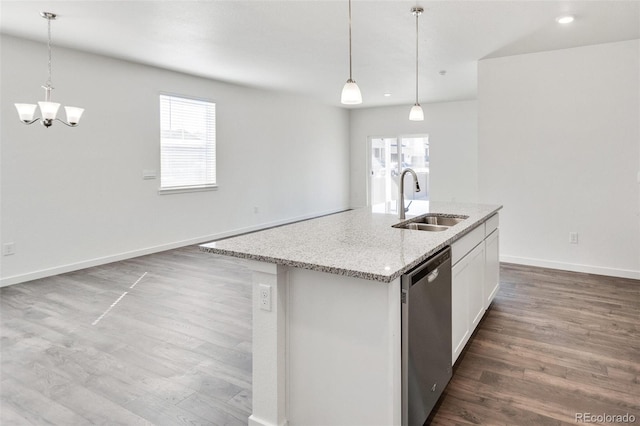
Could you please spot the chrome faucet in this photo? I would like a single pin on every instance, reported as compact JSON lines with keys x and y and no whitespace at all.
{"x":401,"y":209}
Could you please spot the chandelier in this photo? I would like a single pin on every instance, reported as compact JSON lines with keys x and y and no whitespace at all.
{"x":48,"y":109}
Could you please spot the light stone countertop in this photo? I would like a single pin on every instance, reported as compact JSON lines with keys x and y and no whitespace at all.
{"x":359,"y":243}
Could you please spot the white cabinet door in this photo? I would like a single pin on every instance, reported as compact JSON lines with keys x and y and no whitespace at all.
{"x":476,"y":286}
{"x":492,"y":268}
{"x":475,"y":280}
{"x":459,"y":307}
{"x":467,"y":298}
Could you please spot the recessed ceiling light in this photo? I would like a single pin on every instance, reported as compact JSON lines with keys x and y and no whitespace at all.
{"x":566,"y":19}
{"x":387,"y":94}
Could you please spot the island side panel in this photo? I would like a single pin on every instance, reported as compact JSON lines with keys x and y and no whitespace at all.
{"x":343,"y":350}
{"x":268,"y":346}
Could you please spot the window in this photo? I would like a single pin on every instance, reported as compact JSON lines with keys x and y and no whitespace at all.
{"x":187,"y":144}
{"x":388,"y":157}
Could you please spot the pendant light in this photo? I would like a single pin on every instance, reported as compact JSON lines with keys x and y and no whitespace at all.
{"x":48,"y":109}
{"x":350,"y":92}
{"x":416,"y":113}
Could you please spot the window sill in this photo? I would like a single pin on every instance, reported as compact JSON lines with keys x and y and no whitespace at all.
{"x":183,"y":189}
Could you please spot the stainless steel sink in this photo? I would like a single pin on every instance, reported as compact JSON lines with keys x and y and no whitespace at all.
{"x":441,"y":220}
{"x":431,"y":222}
{"x":423,"y":227}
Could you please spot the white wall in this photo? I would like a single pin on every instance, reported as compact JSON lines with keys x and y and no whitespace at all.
{"x":75,"y":197}
{"x":559,"y":147}
{"x":452,"y":130}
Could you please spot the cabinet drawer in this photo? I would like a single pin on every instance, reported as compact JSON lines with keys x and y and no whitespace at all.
{"x":491,"y":225}
{"x":465,"y":244}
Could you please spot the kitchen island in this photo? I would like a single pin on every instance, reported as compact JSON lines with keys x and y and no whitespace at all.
{"x":327,"y":303}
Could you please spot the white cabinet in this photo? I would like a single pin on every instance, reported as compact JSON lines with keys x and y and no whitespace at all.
{"x":476,"y":286}
{"x":475,"y":280}
{"x":460,"y":330}
{"x":491,"y":268}
{"x":467,"y":301}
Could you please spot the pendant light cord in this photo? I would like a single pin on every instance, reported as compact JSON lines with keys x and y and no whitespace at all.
{"x":350,"y":69}
{"x":417,"y":14}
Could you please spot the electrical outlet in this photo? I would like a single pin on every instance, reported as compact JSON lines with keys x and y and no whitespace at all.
{"x":265,"y":297}
{"x":573,"y":237}
{"x":256,"y":210}
{"x":8,"y":249}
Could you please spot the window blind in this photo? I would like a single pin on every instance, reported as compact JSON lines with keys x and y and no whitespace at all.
{"x":187,"y":143}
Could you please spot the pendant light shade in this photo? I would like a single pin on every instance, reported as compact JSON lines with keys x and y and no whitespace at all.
{"x":26,"y":111}
{"x":73,"y":114}
{"x":416,"y":113}
{"x":48,"y":109}
{"x":350,"y":92}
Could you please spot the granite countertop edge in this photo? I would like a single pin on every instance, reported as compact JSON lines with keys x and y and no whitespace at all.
{"x":351,"y":272}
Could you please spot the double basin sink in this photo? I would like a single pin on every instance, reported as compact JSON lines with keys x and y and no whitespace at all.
{"x":431,"y":222}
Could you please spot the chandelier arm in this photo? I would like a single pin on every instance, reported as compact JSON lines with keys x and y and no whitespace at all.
{"x":30,"y":122}
{"x":66,"y":124}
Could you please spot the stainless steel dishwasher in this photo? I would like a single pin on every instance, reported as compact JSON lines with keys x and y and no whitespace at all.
{"x":426,"y":336}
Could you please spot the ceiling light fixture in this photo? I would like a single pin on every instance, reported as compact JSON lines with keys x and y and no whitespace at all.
{"x":350,"y":92}
{"x":48,"y":109}
{"x":416,"y":113}
{"x":567,"y":19}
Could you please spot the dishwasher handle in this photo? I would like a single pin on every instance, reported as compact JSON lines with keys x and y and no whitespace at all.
{"x":430,"y":268}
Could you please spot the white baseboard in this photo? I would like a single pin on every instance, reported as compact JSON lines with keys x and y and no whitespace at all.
{"x":48,"y":272}
{"x":573,"y":267}
{"x":255,"y":421}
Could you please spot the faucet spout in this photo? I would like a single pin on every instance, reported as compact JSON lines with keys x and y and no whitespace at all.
{"x":401,"y":208}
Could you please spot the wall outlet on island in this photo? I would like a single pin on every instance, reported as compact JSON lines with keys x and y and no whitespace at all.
{"x":573,"y":237}
{"x":265,"y":297}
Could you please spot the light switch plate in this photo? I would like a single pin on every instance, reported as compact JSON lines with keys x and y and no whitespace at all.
{"x":573,"y":237}
{"x":148,"y":174}
{"x":8,"y":249}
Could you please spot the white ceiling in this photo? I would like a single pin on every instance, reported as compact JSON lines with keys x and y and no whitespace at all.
{"x":302,"y":46}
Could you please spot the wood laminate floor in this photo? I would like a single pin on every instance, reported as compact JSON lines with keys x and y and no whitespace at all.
{"x":162,"y":339}
{"x":166,"y":339}
{"x":554,"y":345}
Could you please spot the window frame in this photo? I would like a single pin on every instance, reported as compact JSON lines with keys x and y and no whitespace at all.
{"x":195,"y":187}
{"x":398,"y":137}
